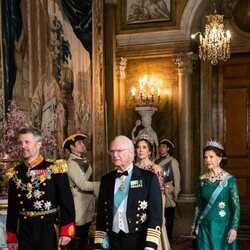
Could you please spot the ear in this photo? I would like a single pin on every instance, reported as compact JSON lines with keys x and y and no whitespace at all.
{"x":39,"y":144}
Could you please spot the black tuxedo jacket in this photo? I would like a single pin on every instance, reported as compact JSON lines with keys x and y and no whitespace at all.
{"x":144,"y":189}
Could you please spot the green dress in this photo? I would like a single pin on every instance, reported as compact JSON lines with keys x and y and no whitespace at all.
{"x":212,"y":232}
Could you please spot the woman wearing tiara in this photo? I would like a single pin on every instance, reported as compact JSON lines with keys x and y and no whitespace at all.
{"x":143,"y":152}
{"x":217,"y":210}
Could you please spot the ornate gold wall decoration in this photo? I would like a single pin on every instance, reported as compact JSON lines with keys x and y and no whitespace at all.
{"x":98,"y":117}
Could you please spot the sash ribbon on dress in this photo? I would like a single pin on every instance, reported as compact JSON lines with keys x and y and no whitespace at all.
{"x":211,"y":201}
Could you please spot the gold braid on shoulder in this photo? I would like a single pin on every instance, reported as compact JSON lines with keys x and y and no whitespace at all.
{"x":59,"y":166}
{"x":10,"y":173}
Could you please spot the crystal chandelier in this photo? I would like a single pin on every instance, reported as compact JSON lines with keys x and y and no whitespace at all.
{"x":215,"y":45}
{"x":148,"y":93}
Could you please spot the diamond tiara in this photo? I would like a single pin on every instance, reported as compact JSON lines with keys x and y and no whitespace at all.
{"x":145,"y":137}
{"x":214,"y":143}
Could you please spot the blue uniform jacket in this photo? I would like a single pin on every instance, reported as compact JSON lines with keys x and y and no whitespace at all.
{"x":144,"y":187}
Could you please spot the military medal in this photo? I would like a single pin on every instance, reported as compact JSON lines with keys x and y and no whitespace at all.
{"x":122,"y":186}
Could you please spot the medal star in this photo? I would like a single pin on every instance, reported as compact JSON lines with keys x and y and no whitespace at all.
{"x":37,"y":194}
{"x":143,"y":205}
{"x":222,"y":205}
{"x":37,"y":205}
{"x":222,"y":213}
{"x":47,"y":205}
{"x":143,"y":218}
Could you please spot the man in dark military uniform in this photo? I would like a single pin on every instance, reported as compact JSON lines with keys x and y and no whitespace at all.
{"x":38,"y":191}
{"x":129,"y":212}
{"x":84,"y":190}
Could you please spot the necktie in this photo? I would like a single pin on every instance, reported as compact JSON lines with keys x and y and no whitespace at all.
{"x":119,"y":174}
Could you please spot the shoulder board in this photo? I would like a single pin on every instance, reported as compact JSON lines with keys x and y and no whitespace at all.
{"x":59,"y":166}
{"x":10,"y":173}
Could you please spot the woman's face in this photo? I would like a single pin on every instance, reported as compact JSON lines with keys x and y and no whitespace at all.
{"x":211,"y":160}
{"x":142,"y":150}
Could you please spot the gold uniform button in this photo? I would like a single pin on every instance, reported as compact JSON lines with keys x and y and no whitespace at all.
{"x":137,"y":222}
{"x":137,"y":215}
{"x":21,"y":202}
{"x":44,"y":184}
{"x":25,"y":217}
{"x":19,"y":195}
{"x":136,"y":229}
{"x":42,"y":217}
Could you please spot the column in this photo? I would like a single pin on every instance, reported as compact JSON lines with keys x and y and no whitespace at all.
{"x":110,"y":67}
{"x":119,"y":91}
{"x":184,"y":62}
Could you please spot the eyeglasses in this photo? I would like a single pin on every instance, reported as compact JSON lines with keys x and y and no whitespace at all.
{"x":118,"y":151}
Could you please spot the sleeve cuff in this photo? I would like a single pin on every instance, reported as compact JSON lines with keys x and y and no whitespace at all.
{"x":68,"y":230}
{"x":11,"y":237}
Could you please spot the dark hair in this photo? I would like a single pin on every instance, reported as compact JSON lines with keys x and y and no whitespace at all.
{"x":31,"y":130}
{"x":169,"y":144}
{"x":218,"y":152}
{"x":150,"y":146}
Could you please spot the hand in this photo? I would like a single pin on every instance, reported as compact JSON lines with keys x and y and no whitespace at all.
{"x":232,"y":235}
{"x":12,"y":246}
{"x":64,"y":240}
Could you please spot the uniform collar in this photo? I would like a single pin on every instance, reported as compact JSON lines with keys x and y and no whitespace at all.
{"x":34,"y":163}
{"x":75,"y":156}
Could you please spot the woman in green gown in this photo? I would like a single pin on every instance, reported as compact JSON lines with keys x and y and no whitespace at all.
{"x":217,"y":211}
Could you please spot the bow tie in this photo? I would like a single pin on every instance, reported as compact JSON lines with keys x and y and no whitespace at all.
{"x":119,"y":174}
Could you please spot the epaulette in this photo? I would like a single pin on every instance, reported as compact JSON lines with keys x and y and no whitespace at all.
{"x":10,"y":173}
{"x":59,"y":166}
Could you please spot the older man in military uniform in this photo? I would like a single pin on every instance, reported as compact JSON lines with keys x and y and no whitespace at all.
{"x":129,"y":211}
{"x":84,"y":190}
{"x":172,"y":179}
{"x":38,"y":191}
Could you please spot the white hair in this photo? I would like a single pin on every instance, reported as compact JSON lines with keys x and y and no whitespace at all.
{"x":127,"y":141}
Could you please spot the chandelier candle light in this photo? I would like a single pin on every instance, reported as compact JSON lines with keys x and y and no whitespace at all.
{"x":148,"y":93}
{"x":215,"y":45}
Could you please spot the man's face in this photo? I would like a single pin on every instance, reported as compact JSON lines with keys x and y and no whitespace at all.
{"x":78,"y":147}
{"x":120,"y":154}
{"x":30,"y":147}
{"x":163,"y":149}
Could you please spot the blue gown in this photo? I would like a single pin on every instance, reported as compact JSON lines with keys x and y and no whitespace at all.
{"x":224,"y":215}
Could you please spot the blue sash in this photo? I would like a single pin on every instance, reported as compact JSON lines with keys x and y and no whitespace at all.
{"x":120,"y":195}
{"x":212,"y":199}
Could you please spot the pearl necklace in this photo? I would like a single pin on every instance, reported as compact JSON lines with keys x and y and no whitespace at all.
{"x":212,"y":177}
